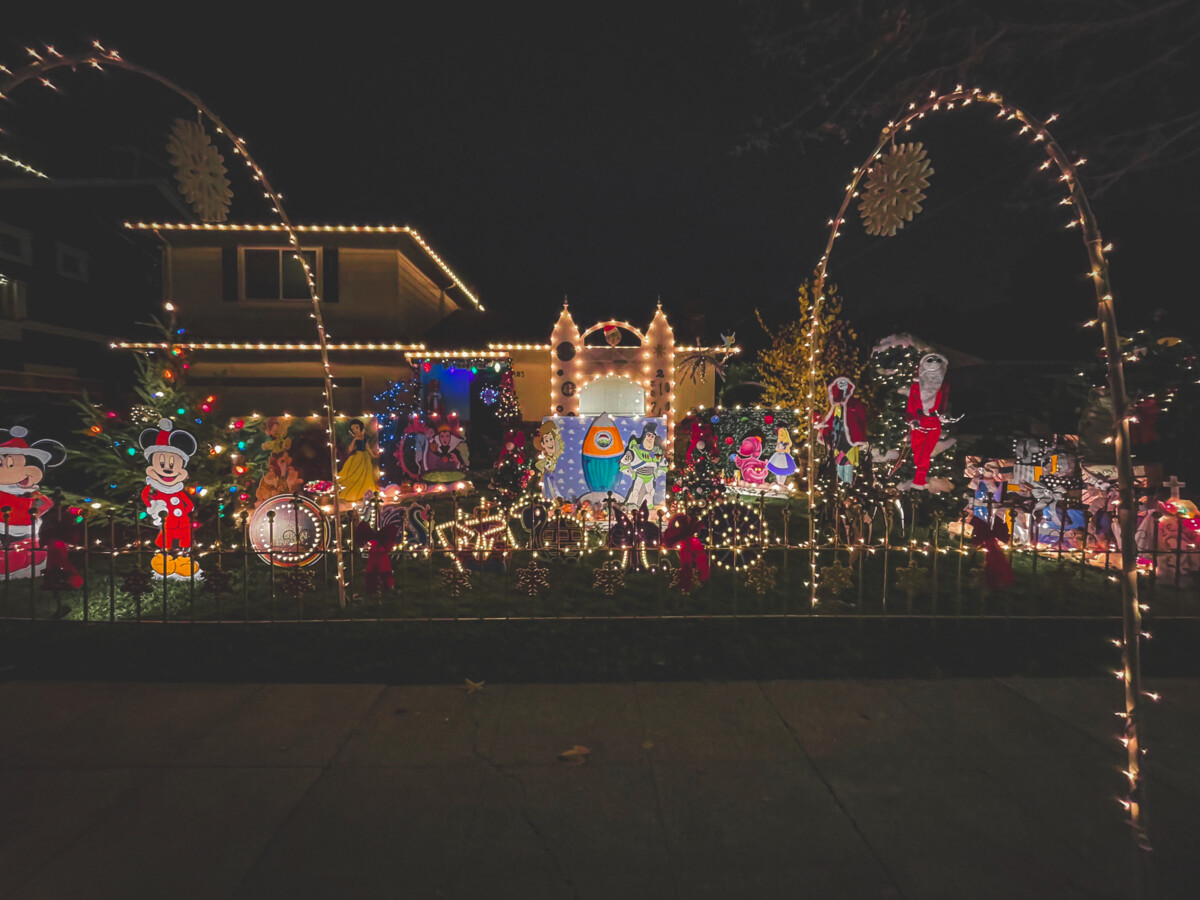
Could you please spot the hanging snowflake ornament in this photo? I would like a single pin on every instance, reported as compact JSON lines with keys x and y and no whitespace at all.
{"x":533,"y":579}
{"x":894,"y":189}
{"x":199,"y":170}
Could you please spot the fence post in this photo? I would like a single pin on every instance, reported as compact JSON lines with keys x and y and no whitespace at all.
{"x":112,"y":568}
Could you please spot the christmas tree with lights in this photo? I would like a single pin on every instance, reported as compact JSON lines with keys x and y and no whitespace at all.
{"x":108,"y":455}
{"x":506,"y":407}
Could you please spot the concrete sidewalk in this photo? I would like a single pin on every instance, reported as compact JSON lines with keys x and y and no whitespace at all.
{"x":823,"y":789}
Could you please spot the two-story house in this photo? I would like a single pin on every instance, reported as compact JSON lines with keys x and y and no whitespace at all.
{"x":246,"y":306}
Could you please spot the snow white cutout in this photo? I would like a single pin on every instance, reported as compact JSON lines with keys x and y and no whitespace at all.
{"x":356,"y":478}
{"x":550,"y":448}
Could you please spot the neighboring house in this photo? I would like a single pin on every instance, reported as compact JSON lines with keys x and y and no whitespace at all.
{"x":69,"y":280}
{"x":246,"y":305}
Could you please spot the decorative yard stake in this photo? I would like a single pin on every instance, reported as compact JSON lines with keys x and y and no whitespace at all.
{"x":1067,"y":175}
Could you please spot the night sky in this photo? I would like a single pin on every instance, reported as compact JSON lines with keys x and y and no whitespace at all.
{"x":594,"y":154}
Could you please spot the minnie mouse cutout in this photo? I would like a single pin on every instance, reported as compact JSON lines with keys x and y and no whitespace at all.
{"x":22,"y":467}
{"x":168,"y":452}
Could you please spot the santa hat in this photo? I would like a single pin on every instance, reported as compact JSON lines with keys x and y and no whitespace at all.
{"x":43,"y":451}
{"x":165,"y":439}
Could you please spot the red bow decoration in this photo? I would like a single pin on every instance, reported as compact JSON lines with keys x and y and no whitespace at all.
{"x":682,"y":534}
{"x":997,"y":570}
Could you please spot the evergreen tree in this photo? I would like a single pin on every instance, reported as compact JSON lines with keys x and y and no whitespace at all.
{"x":229,"y":459}
{"x":507,"y":407}
{"x":784,"y":367}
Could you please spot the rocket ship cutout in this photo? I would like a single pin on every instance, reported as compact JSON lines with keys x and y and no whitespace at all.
{"x":601,"y":456}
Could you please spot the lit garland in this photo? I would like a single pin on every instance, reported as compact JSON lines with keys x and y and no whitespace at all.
{"x":1037,"y":133}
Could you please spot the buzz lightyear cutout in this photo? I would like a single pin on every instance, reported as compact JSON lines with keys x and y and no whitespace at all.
{"x":22,"y":505}
{"x":643,"y":459}
{"x":168,"y":452}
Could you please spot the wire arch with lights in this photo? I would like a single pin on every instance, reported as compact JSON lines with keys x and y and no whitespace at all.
{"x":1056,"y":161}
{"x":99,"y":58}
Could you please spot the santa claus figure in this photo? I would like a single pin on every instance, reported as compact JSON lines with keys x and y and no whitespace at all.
{"x":168,"y":452}
{"x":926,"y":405}
{"x":22,"y":505}
{"x":844,"y":428}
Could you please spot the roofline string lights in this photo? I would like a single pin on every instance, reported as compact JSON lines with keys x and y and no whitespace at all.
{"x":316,"y":229}
{"x":1036,"y":131}
{"x":100,"y":57}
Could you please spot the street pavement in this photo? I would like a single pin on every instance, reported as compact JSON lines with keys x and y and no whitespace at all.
{"x":955,"y":789}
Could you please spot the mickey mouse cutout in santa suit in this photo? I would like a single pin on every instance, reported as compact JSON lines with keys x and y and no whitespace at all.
{"x":168,"y":452}
{"x":22,"y":505}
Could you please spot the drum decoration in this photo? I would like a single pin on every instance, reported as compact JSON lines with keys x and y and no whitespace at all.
{"x":296,"y":537}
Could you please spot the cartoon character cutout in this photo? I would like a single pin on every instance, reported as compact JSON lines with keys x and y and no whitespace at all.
{"x":513,"y":447}
{"x":446,"y":454}
{"x":781,"y":463}
{"x":356,"y":478}
{"x":281,"y":477}
{"x":644,"y":460}
{"x":22,"y":505}
{"x":752,"y":469}
{"x":549,"y":447}
{"x":925,"y":410}
{"x":844,"y":427}
{"x":168,"y":451}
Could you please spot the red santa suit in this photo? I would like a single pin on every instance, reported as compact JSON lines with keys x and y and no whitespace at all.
{"x":926,"y":428}
{"x":21,"y":508}
{"x":173,"y":500}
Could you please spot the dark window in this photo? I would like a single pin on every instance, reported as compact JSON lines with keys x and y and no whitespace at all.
{"x":276,"y":274}
{"x":72,"y":263}
{"x":16,"y":245}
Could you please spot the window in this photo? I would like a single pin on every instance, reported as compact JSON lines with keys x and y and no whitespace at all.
{"x":275,"y":273}
{"x":12,"y":299}
{"x":72,"y":263}
{"x":614,"y":395}
{"x":16,"y":245}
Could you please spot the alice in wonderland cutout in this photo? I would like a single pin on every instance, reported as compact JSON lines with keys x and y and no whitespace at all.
{"x":618,"y":455}
{"x":356,"y":477}
{"x":844,"y":428}
{"x":22,"y":505}
{"x":781,"y":463}
{"x":926,"y":411}
{"x":287,"y":531}
{"x":168,"y":451}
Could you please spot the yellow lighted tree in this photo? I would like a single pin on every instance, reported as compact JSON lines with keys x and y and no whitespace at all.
{"x":783,"y":368}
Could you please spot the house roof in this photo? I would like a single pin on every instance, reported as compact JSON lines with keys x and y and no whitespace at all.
{"x":405,"y":232}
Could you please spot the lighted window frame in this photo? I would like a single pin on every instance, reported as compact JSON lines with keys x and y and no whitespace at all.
{"x":283,"y":254}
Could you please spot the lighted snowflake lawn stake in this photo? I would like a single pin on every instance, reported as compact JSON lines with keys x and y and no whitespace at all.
{"x":912,"y":580}
{"x":760,"y":577}
{"x":894,"y":189}
{"x":834,"y":580}
{"x":200,"y":171}
{"x":609,"y":578}
{"x":533,"y":579}
{"x":455,"y":581}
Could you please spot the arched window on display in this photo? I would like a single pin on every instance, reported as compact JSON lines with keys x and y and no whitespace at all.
{"x":614,"y":395}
